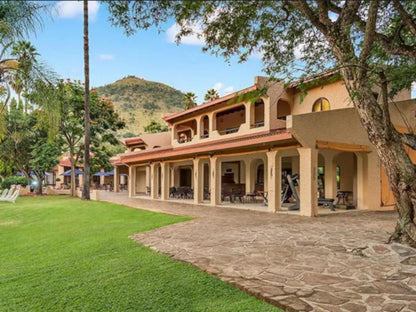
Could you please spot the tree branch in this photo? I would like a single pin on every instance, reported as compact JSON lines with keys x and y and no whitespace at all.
{"x":303,"y":7}
{"x":405,"y":16}
{"x":409,"y":139}
{"x":369,"y":33}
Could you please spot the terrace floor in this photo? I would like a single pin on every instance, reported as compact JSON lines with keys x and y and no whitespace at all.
{"x":335,"y":262}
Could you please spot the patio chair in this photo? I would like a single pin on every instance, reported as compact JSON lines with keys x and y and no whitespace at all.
{"x":3,"y":195}
{"x":13,"y":198}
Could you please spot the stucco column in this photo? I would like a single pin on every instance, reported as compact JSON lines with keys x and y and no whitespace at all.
{"x":361,"y":158}
{"x":330,"y":176}
{"x":116,"y":178}
{"x":215,"y":180}
{"x":274,"y":173}
{"x":198,"y":174}
{"x":132,"y":181}
{"x":81,"y":181}
{"x":308,"y":181}
{"x":373,"y":189}
{"x":153,"y":181}
{"x":249,"y":176}
{"x":164,"y":177}
{"x":102,"y":178}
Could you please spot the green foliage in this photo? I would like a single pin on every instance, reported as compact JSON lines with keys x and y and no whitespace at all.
{"x":146,"y":99}
{"x":14,"y":180}
{"x":189,"y":100}
{"x":155,"y":127}
{"x":128,"y":135}
{"x":151,"y":106}
{"x":211,"y":95}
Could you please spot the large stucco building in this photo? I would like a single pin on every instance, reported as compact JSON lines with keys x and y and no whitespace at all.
{"x":251,"y":144}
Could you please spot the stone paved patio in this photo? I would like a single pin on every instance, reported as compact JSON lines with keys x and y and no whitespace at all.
{"x":332,"y":263}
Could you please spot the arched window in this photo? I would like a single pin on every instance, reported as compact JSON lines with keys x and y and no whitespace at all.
{"x":321,"y":104}
{"x":260,"y":175}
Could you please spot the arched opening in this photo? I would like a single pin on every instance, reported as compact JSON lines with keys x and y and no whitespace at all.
{"x":258,"y":114}
{"x":230,"y":120}
{"x":283,"y":110}
{"x":204,"y":127}
{"x":321,"y":104}
{"x":185,"y":131}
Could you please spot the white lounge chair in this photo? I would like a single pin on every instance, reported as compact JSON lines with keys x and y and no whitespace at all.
{"x":3,"y":195}
{"x":13,"y":198}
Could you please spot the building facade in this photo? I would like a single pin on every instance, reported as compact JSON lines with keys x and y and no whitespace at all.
{"x":247,"y":143}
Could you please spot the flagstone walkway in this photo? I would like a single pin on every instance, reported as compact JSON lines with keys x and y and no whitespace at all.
{"x":331,"y":263}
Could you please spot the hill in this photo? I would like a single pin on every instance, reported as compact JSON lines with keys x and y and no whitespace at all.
{"x":138,"y":101}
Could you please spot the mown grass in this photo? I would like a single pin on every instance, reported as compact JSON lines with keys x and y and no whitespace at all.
{"x":64,"y":254}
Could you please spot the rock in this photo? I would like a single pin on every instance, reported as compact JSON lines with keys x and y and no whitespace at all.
{"x":319,"y":279}
{"x":293,"y":303}
{"x":403,"y":251}
{"x":354,"y":307}
{"x":324,"y":297}
{"x":380,"y":249}
{"x":392,"y":307}
{"x":374,"y":301}
{"x":409,"y":261}
{"x":394,"y":288}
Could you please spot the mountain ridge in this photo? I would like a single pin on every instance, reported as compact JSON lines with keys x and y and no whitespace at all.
{"x":138,"y":101}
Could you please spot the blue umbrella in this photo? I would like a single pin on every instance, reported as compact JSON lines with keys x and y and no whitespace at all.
{"x":68,"y":173}
{"x":100,"y":174}
{"x":110,"y":173}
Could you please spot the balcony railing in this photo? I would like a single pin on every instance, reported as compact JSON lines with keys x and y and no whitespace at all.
{"x":258,"y":124}
{"x":229,"y":130}
{"x":184,"y":140}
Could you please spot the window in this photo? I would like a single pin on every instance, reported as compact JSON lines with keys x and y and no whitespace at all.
{"x":321,"y":104}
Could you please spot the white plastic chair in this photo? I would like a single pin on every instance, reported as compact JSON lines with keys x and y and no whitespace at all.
{"x":3,"y":195}
{"x":13,"y":198}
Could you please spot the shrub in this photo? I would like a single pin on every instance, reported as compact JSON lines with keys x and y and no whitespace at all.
{"x":14,"y":180}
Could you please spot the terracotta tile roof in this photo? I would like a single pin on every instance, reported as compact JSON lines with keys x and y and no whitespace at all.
{"x":212,"y":147}
{"x":170,"y":118}
{"x":133,"y":141}
{"x":325,"y":74}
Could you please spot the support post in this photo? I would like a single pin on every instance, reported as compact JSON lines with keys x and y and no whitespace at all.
{"x":249,"y":176}
{"x":308,"y":167}
{"x":274,"y":172}
{"x":330,"y":176}
{"x":215,"y":180}
{"x":132,"y":181}
{"x":164,"y":176}
{"x":198,"y":182}
{"x":116,"y":179}
{"x":153,"y":181}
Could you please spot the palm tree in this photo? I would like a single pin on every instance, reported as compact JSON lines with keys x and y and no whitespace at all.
{"x":86,"y":186}
{"x":26,"y":55}
{"x":189,"y":100}
{"x":211,"y":95}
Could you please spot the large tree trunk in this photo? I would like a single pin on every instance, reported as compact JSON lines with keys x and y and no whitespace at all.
{"x":387,"y":141}
{"x":73,"y":180}
{"x":86,"y":188}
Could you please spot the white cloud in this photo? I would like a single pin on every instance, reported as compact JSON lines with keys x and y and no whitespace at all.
{"x":218,"y":86}
{"x":73,"y":9}
{"x":192,"y":39}
{"x":106,"y":57}
{"x":229,"y":90}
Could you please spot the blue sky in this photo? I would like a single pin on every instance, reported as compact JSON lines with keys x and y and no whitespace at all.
{"x":146,"y":54}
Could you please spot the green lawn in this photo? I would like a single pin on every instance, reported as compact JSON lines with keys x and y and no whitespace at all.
{"x":63,"y":254}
